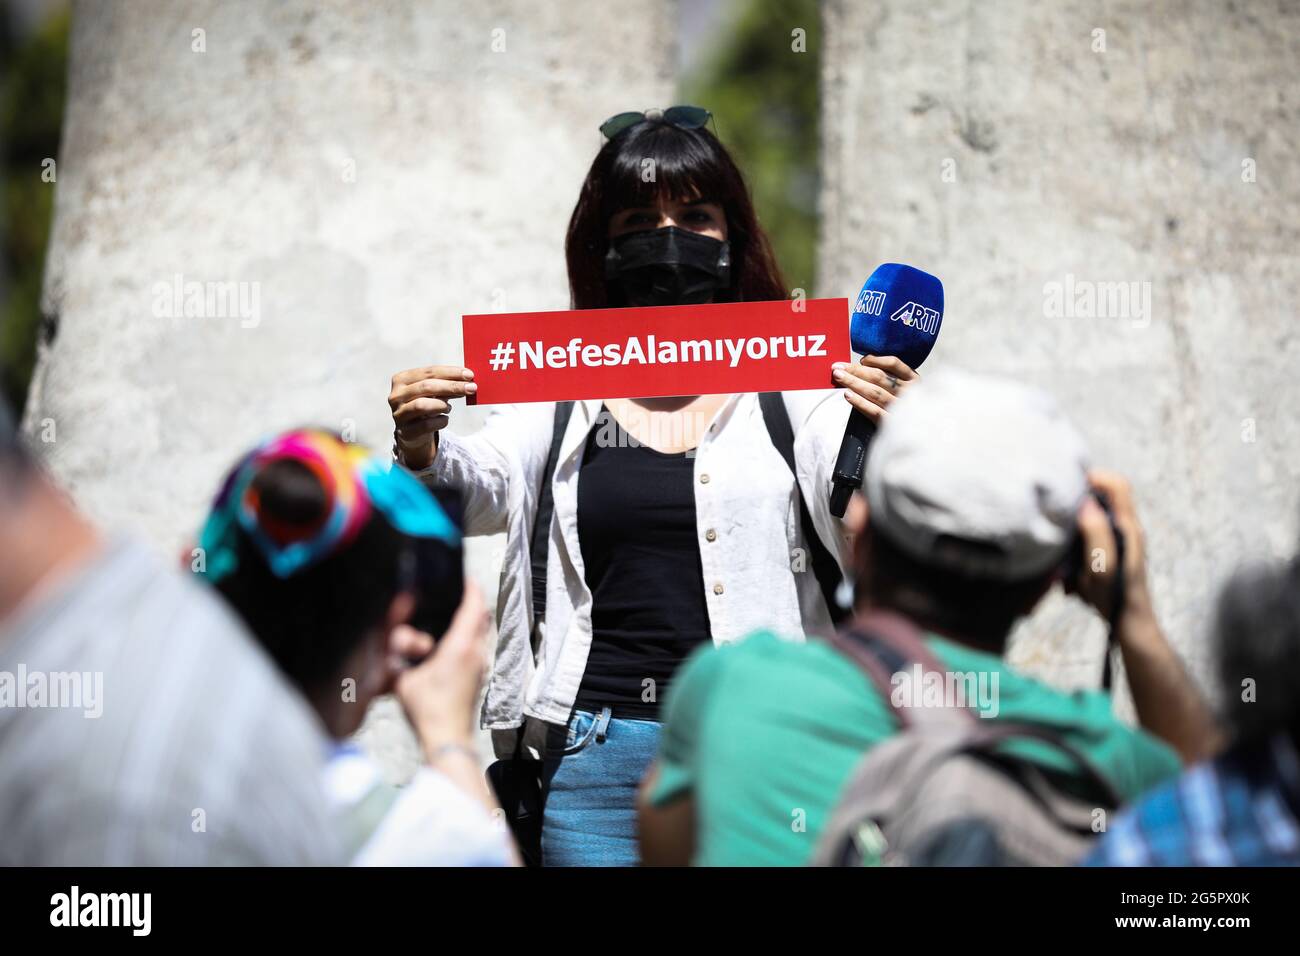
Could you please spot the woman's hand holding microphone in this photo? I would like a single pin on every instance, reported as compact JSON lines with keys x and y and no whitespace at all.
{"x":420,"y":400}
{"x":873,"y":383}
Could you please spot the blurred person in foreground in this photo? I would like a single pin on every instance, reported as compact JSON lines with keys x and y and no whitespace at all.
{"x":313,"y":542}
{"x":139,"y":724}
{"x":1243,"y":807}
{"x":976,"y":493}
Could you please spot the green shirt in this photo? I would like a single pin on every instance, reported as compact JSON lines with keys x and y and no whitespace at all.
{"x":766,"y":732}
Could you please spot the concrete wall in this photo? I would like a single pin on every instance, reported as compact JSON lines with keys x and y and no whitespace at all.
{"x":368,"y":171}
{"x":371,"y":172}
{"x":997,"y":146}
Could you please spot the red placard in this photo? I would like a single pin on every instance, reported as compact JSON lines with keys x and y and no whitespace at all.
{"x":661,"y":350}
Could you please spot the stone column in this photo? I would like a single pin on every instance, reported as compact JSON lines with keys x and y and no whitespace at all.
{"x":1109,"y":193}
{"x":266,"y":209}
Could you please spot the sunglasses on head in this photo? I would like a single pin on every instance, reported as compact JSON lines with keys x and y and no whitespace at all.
{"x":683,"y":117}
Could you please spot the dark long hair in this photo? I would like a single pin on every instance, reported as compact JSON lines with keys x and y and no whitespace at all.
{"x":1257,"y":636}
{"x":687,"y":163}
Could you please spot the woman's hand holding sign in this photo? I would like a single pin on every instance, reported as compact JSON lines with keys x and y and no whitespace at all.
{"x":873,"y":383}
{"x":420,"y":399}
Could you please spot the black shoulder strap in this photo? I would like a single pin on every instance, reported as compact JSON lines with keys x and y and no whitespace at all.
{"x":539,"y":545}
{"x":777,"y":419}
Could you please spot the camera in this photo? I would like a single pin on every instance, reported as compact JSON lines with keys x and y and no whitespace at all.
{"x":1072,"y":571}
{"x":439,"y":573}
{"x":1077,"y":560}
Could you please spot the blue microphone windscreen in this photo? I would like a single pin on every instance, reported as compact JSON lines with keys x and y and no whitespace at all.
{"x":898,"y":312}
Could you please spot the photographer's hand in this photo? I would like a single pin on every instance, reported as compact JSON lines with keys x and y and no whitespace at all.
{"x":1168,"y":703}
{"x":440,"y":696}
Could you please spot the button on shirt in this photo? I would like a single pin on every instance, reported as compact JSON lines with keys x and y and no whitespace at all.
{"x":755,"y":564}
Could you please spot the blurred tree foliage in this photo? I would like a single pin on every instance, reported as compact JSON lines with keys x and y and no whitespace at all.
{"x":31,"y":116}
{"x":765,"y":103}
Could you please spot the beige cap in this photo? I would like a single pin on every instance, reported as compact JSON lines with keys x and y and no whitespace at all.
{"x":979,"y":475}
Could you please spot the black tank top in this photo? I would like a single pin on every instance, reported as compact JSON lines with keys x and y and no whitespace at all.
{"x":637,"y":530}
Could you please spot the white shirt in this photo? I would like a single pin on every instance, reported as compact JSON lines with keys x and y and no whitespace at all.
{"x":757,"y":570}
{"x":428,"y":822}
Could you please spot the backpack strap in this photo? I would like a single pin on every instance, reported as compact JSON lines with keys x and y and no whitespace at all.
{"x":883,"y":644}
{"x":777,"y":419}
{"x":993,"y":734}
{"x":539,"y":544}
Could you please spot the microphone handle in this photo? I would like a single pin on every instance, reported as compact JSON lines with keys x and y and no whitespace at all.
{"x":852,"y":460}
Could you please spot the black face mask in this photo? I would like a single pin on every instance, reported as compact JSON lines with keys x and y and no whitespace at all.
{"x":668,"y":266}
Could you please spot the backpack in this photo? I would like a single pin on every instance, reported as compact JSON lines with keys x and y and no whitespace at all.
{"x":777,"y":419}
{"x":943,"y":791}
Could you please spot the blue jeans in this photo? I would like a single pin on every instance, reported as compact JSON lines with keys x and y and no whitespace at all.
{"x":590,"y":777}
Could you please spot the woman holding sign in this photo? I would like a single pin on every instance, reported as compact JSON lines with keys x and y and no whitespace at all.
{"x":646,"y":527}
